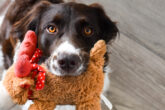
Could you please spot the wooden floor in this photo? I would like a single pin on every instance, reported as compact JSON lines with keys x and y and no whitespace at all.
{"x":138,"y":56}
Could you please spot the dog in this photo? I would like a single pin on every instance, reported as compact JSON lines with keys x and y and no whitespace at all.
{"x":66,"y":33}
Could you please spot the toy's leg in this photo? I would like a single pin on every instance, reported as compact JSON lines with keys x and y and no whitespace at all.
{"x":16,"y":87}
{"x":90,"y":105}
{"x":42,"y":105}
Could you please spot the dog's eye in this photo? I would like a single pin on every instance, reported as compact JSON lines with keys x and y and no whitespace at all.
{"x":52,"y":29}
{"x":88,"y":31}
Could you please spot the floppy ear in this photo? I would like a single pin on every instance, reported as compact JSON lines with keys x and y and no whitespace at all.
{"x":108,"y":28}
{"x":30,"y":21}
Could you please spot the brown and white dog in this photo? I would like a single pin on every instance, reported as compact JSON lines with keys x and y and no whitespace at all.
{"x":66,"y":33}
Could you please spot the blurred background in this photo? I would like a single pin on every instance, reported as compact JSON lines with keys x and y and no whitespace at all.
{"x":138,"y":55}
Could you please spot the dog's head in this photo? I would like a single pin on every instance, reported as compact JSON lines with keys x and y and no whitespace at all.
{"x":66,"y":33}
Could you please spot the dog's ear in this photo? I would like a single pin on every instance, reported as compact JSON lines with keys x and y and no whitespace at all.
{"x":30,"y":21}
{"x":108,"y":28}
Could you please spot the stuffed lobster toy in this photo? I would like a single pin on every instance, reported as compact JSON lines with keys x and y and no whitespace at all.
{"x":25,"y":79}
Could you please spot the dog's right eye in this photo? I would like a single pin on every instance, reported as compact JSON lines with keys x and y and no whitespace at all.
{"x":52,"y":29}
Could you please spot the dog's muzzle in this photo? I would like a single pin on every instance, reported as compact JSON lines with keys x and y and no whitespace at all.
{"x":66,"y":60}
{"x":69,"y":63}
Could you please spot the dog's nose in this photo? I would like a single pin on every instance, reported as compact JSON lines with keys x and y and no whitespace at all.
{"x":69,"y":63}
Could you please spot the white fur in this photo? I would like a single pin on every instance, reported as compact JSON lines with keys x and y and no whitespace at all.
{"x":16,"y":49}
{"x":52,"y":70}
{"x":1,"y":19}
{"x":67,"y":48}
{"x":6,"y":102}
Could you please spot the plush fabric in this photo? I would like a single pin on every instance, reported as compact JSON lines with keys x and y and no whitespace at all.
{"x":27,"y":48}
{"x":83,"y":90}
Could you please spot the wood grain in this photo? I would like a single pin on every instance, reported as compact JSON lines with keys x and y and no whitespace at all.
{"x":3,"y":5}
{"x":138,"y":78}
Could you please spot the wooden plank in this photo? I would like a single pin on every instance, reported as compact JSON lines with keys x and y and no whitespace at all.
{"x":3,"y":5}
{"x":138,"y":78}
{"x":141,"y":20}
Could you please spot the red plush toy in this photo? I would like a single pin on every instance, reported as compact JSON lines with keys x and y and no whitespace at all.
{"x":28,"y":57}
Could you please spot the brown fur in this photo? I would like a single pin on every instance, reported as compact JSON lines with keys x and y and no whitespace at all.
{"x":83,"y":90}
{"x":17,"y":10}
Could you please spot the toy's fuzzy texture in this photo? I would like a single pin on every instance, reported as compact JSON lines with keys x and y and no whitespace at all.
{"x":83,"y":90}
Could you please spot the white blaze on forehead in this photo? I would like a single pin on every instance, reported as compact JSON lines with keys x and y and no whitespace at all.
{"x":66,"y":47}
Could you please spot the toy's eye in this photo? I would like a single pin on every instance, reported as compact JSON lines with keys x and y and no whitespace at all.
{"x":88,"y":31}
{"x":52,"y":29}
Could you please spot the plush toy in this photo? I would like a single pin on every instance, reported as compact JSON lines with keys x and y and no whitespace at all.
{"x":23,"y":65}
{"x":27,"y":59}
{"x":83,"y":90}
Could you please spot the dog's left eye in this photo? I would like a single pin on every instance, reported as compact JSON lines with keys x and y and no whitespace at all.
{"x":52,"y":29}
{"x":88,"y":31}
